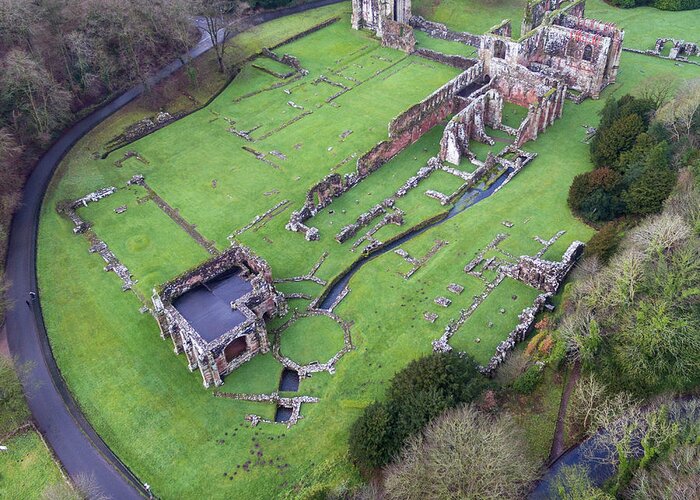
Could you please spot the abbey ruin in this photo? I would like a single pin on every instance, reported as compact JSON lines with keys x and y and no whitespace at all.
{"x":560,"y":55}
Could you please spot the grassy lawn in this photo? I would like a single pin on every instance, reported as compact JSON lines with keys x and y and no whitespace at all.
{"x":312,"y":339}
{"x":27,"y":468}
{"x":141,"y":398}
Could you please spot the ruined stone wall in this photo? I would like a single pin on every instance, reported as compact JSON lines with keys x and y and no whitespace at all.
{"x":598,"y":30}
{"x":585,"y":53}
{"x":504,"y":28}
{"x":437,"y":30}
{"x":518,"y":84}
{"x":404,"y":130}
{"x":469,"y":124}
{"x":236,"y":256}
{"x":541,"y":116}
{"x":543,"y":96}
{"x":580,"y":58}
{"x":372,"y":14}
{"x":438,"y":104}
{"x":262,"y":302}
{"x":535,"y":11}
{"x":455,"y":61}
{"x":398,"y":36}
{"x":544,"y":274}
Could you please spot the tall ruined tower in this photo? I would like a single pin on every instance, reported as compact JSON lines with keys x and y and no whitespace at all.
{"x":371,"y":14}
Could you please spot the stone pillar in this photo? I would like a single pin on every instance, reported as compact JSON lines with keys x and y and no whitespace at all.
{"x":176,"y":335}
{"x":191,"y":356}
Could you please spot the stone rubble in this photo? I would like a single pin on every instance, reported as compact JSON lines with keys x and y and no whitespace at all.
{"x":430,"y":317}
{"x":443,"y":301}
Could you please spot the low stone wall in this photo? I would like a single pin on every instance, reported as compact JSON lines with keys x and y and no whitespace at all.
{"x":141,"y":129}
{"x":527,"y":319}
{"x":313,"y":29}
{"x":364,"y":219}
{"x":287,"y":60}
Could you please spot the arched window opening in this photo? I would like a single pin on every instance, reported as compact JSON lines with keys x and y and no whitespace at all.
{"x":235,"y":348}
{"x":588,"y":53}
{"x":499,"y":49}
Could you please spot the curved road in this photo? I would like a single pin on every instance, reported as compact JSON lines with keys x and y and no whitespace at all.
{"x":76,"y":444}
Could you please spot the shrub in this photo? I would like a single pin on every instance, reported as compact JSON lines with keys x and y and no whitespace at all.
{"x":604,"y":243}
{"x":610,"y":142}
{"x":545,"y":347}
{"x":417,"y":394}
{"x":371,"y":441}
{"x":677,"y":4}
{"x":528,"y":381}
{"x":534,"y":343}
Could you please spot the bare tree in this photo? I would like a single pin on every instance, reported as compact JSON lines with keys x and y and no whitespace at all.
{"x":34,"y":91}
{"x":592,"y":406}
{"x":463,"y":454}
{"x":680,"y":114}
{"x":684,"y":202}
{"x":661,"y":233}
{"x":217,"y":26}
{"x":657,"y":89}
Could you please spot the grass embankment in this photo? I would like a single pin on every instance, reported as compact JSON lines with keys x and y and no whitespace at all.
{"x":26,"y":467}
{"x":140,"y":397}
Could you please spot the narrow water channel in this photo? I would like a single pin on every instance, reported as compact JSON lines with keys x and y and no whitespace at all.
{"x":470,"y":197}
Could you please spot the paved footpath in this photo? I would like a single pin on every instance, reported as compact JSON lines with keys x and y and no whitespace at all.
{"x":76,"y":444}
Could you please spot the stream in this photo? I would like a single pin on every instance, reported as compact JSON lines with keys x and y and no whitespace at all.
{"x":469,"y":198}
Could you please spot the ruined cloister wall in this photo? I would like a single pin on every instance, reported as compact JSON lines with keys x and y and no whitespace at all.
{"x":437,"y":30}
{"x":397,"y":35}
{"x":543,"y":96}
{"x":404,"y":130}
{"x":455,"y":61}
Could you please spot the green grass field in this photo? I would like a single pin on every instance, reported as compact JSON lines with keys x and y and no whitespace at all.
{"x":141,"y":398}
{"x":27,"y":468}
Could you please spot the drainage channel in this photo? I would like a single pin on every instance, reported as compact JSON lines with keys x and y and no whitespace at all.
{"x":470,"y":198}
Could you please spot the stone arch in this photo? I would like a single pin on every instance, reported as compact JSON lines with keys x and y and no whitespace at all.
{"x":499,"y":49}
{"x":588,"y":53}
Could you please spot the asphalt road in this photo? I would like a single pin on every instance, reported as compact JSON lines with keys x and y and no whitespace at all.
{"x":76,"y":444}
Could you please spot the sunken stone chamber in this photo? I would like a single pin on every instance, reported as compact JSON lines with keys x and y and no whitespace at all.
{"x":216,"y":312}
